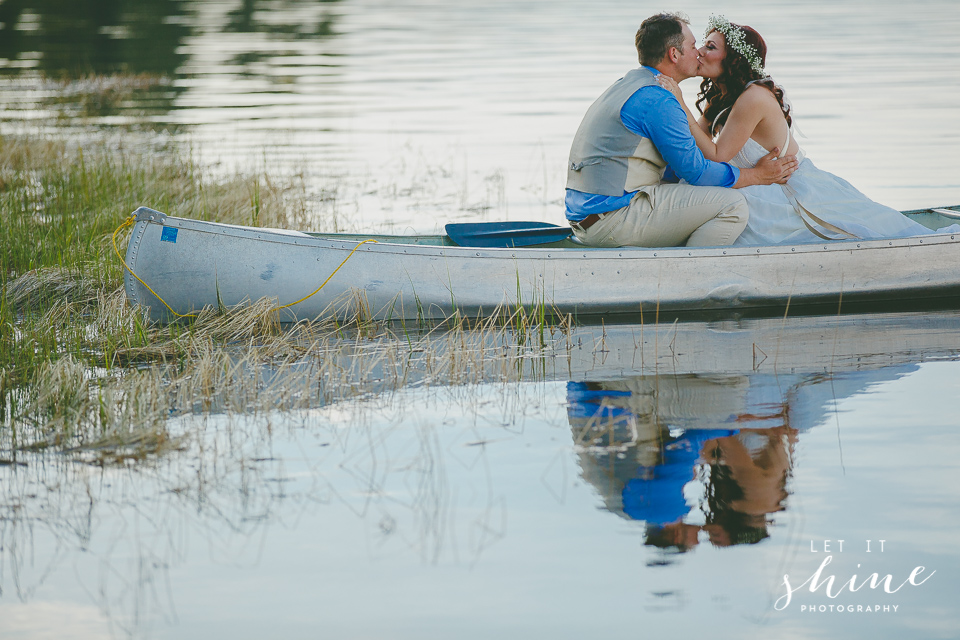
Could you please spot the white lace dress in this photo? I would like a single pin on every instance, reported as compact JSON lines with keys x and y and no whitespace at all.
{"x":814,"y":205}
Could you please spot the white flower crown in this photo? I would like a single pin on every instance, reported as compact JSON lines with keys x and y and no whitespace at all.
{"x":736,"y":40}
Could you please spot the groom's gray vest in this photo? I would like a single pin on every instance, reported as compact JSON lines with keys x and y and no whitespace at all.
{"x":606,"y":158}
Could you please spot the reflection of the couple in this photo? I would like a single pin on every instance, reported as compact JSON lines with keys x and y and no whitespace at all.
{"x":700,"y":456}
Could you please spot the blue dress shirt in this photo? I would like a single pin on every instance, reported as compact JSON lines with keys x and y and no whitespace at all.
{"x":654,"y":113}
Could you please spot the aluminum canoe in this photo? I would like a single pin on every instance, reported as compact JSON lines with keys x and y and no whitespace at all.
{"x":192,"y":264}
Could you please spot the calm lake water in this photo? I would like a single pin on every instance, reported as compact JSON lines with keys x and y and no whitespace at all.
{"x":650,"y":480}
{"x":424,"y":111}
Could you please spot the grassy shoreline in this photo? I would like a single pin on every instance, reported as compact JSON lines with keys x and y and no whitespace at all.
{"x":82,"y":372}
{"x":73,"y":355}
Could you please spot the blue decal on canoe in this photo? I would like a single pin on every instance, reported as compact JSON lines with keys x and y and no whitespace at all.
{"x":169,"y":234}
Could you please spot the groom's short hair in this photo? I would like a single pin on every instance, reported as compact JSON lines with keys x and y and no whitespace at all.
{"x":657,"y":34}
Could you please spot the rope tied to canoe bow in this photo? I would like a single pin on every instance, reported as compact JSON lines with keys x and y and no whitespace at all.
{"x":126,"y":223}
{"x":133,"y":218}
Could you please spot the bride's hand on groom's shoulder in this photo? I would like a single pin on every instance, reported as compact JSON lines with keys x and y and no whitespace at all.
{"x":670,"y":85}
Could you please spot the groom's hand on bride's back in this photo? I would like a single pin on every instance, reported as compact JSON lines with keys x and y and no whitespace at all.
{"x":776,"y":169}
{"x":770,"y":169}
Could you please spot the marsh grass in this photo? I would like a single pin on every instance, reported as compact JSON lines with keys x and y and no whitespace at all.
{"x":60,"y":204}
{"x":121,"y":378}
{"x":60,"y":282}
{"x":82,"y":372}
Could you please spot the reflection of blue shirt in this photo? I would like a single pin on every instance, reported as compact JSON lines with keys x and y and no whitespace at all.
{"x":657,"y":496}
{"x":659,"y":499}
{"x":653,"y":112}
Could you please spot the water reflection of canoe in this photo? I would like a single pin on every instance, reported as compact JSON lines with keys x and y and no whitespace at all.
{"x":802,"y":345}
{"x":191,"y":264}
{"x":696,"y":437}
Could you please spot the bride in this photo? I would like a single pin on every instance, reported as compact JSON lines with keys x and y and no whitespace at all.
{"x":744,"y":115}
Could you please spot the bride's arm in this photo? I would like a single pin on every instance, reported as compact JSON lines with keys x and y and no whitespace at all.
{"x":700,"y":132}
{"x":703,"y":124}
{"x":746,"y":113}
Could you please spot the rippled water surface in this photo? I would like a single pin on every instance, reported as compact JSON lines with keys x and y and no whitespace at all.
{"x":645,"y":480}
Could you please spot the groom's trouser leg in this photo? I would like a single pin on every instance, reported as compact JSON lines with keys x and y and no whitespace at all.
{"x":670,"y":215}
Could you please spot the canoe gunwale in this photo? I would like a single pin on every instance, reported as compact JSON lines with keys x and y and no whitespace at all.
{"x":302,"y":239}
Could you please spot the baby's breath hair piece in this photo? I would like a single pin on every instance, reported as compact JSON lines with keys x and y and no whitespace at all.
{"x":736,"y":40}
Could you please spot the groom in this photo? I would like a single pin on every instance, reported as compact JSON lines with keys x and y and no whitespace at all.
{"x":634,"y":140}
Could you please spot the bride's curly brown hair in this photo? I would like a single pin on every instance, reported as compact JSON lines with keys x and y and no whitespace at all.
{"x":720,"y":93}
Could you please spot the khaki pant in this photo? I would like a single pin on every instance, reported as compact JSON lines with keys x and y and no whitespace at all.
{"x":671,"y":215}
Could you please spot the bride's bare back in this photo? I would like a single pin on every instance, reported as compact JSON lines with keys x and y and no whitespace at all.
{"x":756,"y":114}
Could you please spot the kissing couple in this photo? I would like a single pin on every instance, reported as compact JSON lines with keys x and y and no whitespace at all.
{"x":646,"y":171}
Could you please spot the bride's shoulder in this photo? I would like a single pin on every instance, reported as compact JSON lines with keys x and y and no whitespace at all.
{"x":757,"y":96}
{"x":757,"y":93}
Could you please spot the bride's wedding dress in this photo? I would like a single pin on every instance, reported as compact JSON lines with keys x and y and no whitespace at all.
{"x":815,"y":205}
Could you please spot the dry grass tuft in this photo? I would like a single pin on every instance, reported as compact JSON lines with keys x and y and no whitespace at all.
{"x":41,"y":287}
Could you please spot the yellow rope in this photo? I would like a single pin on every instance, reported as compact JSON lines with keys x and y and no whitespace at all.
{"x":330,"y":276}
{"x":126,"y":223}
{"x":131,"y":219}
